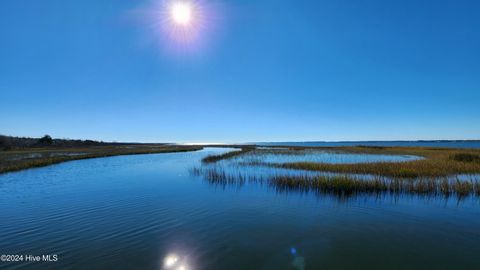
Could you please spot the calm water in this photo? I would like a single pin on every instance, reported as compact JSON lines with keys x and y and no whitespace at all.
{"x":280,"y":156}
{"x":449,"y":144}
{"x":130,"y":212}
{"x":241,"y":165}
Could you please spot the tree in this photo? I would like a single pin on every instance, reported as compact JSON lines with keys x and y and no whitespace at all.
{"x":45,"y":140}
{"x":5,"y":143}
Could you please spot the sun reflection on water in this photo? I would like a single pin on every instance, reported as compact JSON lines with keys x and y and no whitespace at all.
{"x":175,"y":262}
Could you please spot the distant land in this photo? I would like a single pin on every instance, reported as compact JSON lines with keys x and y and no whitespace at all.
{"x":406,"y":143}
{"x":13,"y":142}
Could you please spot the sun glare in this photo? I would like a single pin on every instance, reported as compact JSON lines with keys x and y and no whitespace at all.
{"x":174,"y":262}
{"x":181,"y":26}
{"x":181,"y":13}
{"x":170,"y":261}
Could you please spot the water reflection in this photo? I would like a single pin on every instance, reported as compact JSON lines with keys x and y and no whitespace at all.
{"x":276,"y":155}
{"x":298,"y":261}
{"x":155,"y":209}
{"x":175,"y":262}
{"x":170,"y":261}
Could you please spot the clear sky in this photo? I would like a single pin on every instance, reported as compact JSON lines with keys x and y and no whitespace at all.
{"x":270,"y":70}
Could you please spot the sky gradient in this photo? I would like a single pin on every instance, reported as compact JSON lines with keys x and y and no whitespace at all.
{"x":261,"y":71}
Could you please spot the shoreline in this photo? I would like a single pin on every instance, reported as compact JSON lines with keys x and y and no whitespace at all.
{"x":23,"y":159}
{"x":438,"y":161}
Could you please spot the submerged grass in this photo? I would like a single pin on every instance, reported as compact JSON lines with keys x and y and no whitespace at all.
{"x":38,"y":157}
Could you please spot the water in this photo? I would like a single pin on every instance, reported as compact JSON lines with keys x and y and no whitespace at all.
{"x":449,"y":144}
{"x":255,"y":164}
{"x":282,"y":156}
{"x":131,"y":212}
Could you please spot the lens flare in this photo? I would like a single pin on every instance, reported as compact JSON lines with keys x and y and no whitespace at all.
{"x":183,"y":21}
{"x":182,"y":267}
{"x":181,"y":13}
{"x":180,"y":26}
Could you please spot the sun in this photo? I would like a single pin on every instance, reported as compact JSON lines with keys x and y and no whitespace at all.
{"x":181,"y":13}
{"x":187,"y":23}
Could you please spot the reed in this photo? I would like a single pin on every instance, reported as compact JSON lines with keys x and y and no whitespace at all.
{"x":347,"y":184}
{"x":227,"y":155}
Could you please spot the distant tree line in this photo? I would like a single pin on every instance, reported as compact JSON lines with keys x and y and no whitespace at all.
{"x":9,"y":142}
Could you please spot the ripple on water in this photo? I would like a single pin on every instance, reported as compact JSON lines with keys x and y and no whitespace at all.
{"x":131,"y":212}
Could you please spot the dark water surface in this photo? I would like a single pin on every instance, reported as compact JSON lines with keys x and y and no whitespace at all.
{"x":131,"y":212}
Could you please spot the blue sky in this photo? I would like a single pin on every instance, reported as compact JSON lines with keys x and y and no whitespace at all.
{"x":265,"y":71}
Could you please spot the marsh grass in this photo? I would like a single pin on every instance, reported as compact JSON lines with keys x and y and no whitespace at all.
{"x":38,"y":157}
{"x":227,"y":155}
{"x":434,"y":174}
{"x":429,"y":167}
{"x":346,"y":184}
{"x":465,"y":157}
{"x":435,"y":162}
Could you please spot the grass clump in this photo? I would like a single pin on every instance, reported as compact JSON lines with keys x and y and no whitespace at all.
{"x":227,"y":155}
{"x":325,"y":184}
{"x":352,"y":185}
{"x":465,"y":157}
{"x":346,"y":184}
